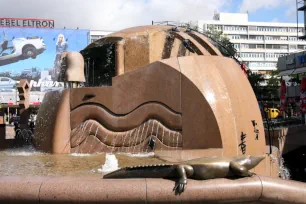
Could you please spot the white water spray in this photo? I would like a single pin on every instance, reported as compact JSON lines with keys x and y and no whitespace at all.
{"x":111,"y":164}
{"x":283,"y":170}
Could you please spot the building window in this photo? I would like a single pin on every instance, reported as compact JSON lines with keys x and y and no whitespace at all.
{"x":260,"y":46}
{"x":227,"y":27}
{"x":244,"y":45}
{"x":292,"y":30}
{"x":276,"y":38}
{"x":284,"y":47}
{"x":252,"y":46}
{"x":234,"y":37}
{"x":301,"y":47}
{"x":244,"y":37}
{"x":301,"y":30}
{"x":272,"y":29}
{"x":219,"y":27}
{"x":276,"y":47}
{"x":256,"y":37}
{"x":275,"y":55}
{"x":262,"y":64}
{"x":214,"y":27}
{"x":252,"y":55}
{"x":236,"y":28}
{"x":283,"y":38}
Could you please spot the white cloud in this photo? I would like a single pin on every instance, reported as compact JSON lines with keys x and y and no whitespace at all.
{"x":111,"y":14}
{"x":275,"y":20}
{"x":254,"y":5}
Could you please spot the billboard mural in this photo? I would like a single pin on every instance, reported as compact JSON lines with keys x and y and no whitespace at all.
{"x":34,"y":54}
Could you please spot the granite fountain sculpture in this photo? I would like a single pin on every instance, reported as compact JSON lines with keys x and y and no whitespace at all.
{"x":162,"y":90}
{"x":161,"y":97}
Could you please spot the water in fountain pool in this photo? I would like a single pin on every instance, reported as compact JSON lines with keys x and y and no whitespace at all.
{"x":28,"y":162}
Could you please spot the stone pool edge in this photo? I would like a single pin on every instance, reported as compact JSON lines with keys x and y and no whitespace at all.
{"x":256,"y":189}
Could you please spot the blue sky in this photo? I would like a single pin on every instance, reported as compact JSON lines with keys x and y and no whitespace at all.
{"x":265,"y":10}
{"x":77,"y":40}
{"x":113,"y":15}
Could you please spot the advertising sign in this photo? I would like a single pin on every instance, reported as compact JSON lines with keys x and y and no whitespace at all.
{"x":283,"y":98}
{"x":303,"y":95}
{"x":26,"y":23}
{"x":34,"y":54}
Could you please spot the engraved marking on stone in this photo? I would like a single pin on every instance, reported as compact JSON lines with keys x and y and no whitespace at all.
{"x":242,"y":145}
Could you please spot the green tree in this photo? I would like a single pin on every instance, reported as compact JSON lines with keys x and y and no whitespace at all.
{"x":224,"y":44}
{"x":273,"y":84}
{"x":255,"y":81}
{"x":270,"y":89}
{"x":275,"y":79}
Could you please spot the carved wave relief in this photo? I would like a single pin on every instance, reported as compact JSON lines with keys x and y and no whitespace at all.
{"x":149,"y":129}
{"x":96,"y":129}
{"x":115,"y":122}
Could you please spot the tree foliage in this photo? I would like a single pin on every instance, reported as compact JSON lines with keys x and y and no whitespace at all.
{"x":263,"y":87}
{"x":255,"y":81}
{"x":224,"y":45}
{"x":275,"y":79}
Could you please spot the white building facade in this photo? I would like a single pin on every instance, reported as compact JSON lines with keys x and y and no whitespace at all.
{"x":97,"y":34}
{"x":259,"y":44}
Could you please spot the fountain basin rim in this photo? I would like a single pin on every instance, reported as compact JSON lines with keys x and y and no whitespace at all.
{"x":96,"y":189}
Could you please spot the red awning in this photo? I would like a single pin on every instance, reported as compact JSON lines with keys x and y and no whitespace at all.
{"x":303,"y":95}
{"x":283,"y":88}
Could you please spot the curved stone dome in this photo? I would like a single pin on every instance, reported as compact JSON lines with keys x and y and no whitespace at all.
{"x":140,"y":46}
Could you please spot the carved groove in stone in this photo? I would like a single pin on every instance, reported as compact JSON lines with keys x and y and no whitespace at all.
{"x":124,"y":122}
{"x":128,"y":138}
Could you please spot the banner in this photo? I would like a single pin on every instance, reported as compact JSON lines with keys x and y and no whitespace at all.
{"x":303,"y":95}
{"x":283,"y":91}
{"x":34,"y":54}
{"x":244,"y":69}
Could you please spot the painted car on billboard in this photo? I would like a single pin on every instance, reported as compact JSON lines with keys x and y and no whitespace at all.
{"x":34,"y":54}
{"x":20,"y":49}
